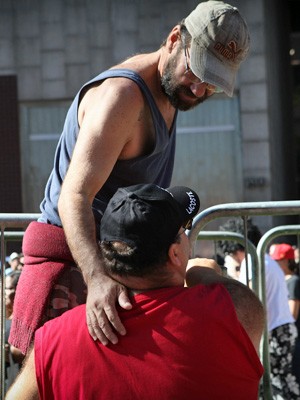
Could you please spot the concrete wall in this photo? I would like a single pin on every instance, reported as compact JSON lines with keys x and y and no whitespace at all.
{"x":253,"y":97}
{"x":54,"y":46}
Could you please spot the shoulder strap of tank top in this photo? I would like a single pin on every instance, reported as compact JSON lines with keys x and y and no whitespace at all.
{"x":127,"y":73}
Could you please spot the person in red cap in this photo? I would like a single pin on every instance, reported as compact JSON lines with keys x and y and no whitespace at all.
{"x":198,"y":342}
{"x":284,"y":254}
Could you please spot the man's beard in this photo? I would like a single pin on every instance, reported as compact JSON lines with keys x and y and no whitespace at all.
{"x":173,"y":91}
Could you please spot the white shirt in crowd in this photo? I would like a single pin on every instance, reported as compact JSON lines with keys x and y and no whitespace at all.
{"x":278,"y":311}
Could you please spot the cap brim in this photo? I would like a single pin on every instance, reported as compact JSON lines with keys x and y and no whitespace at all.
{"x":187,"y":200}
{"x":210,"y":69}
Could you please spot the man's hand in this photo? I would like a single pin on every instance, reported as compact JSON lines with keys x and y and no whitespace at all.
{"x":102,"y":317}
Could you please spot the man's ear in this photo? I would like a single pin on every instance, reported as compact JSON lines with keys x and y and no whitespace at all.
{"x":173,"y":38}
{"x":173,"y":254}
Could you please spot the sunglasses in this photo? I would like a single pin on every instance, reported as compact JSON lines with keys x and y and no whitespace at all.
{"x":188,"y":225}
{"x":194,"y":79}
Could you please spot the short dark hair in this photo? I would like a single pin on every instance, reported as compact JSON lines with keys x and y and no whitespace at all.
{"x":293,"y":266}
{"x":237,"y":225}
{"x":122,"y":260}
{"x":186,"y":37}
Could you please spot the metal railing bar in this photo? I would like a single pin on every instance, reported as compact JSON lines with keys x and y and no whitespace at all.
{"x":246,"y":209}
{"x":236,"y":237}
{"x":243,"y":209}
{"x":261,"y":251}
{"x":13,"y":236}
{"x":13,"y":220}
{"x":2,"y":315}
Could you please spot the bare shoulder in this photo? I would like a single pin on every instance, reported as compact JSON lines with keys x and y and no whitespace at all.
{"x":248,"y":307}
{"x":113,"y":91}
{"x":109,"y":106}
{"x":122,"y":93}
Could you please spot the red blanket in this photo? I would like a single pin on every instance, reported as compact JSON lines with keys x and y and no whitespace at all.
{"x":46,"y":254}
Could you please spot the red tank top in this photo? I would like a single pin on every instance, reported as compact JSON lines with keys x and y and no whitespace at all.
{"x":181,"y":344}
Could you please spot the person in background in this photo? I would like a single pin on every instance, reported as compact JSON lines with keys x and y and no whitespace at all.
{"x":120,"y":130}
{"x":12,"y":354}
{"x":281,"y":324}
{"x":14,"y":263}
{"x":180,"y":339}
{"x":232,"y":266}
{"x":296,"y":253}
{"x":21,"y":261}
{"x":284,"y":254}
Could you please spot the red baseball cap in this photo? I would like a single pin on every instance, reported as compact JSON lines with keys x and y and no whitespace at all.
{"x":281,"y":251}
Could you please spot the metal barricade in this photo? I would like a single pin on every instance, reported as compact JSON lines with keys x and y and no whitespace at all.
{"x":261,"y":250}
{"x":236,"y":237}
{"x":245,"y":210}
{"x":8,"y":221}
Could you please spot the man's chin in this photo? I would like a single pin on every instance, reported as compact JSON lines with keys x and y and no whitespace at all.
{"x":187,"y":101}
{"x":183,"y":99}
{"x":186,"y":106}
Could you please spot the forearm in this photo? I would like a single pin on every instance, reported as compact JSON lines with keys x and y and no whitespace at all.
{"x":103,"y":292}
{"x":294,"y":308}
{"x":25,"y":386}
{"x":79,"y":227}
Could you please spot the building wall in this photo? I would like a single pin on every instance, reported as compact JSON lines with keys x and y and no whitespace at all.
{"x":253,"y":97}
{"x":54,"y":46}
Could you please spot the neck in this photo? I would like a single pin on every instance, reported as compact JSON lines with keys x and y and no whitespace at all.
{"x":138,"y":285}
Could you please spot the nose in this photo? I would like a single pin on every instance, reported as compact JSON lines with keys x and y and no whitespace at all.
{"x":198,"y":89}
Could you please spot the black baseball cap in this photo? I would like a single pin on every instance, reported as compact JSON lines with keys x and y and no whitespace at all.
{"x":148,"y":217}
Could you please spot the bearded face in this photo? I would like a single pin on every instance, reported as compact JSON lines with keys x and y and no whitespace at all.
{"x":180,"y":96}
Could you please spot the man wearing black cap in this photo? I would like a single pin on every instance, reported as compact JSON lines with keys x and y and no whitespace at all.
{"x":197,"y":343}
{"x":120,"y":131}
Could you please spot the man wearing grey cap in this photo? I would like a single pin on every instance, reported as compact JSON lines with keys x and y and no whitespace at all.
{"x":198,"y":342}
{"x":120,"y":131}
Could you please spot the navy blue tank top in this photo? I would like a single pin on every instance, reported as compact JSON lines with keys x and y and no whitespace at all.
{"x":155,"y":167}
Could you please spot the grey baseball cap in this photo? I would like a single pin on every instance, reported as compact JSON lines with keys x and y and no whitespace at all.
{"x":220,"y":42}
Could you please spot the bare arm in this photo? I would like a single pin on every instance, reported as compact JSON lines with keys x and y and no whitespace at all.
{"x":108,"y":116}
{"x":294,"y":308}
{"x":248,"y":307}
{"x":25,"y":386}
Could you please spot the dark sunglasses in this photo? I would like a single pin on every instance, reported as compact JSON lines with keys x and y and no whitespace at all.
{"x":188,"y":225}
